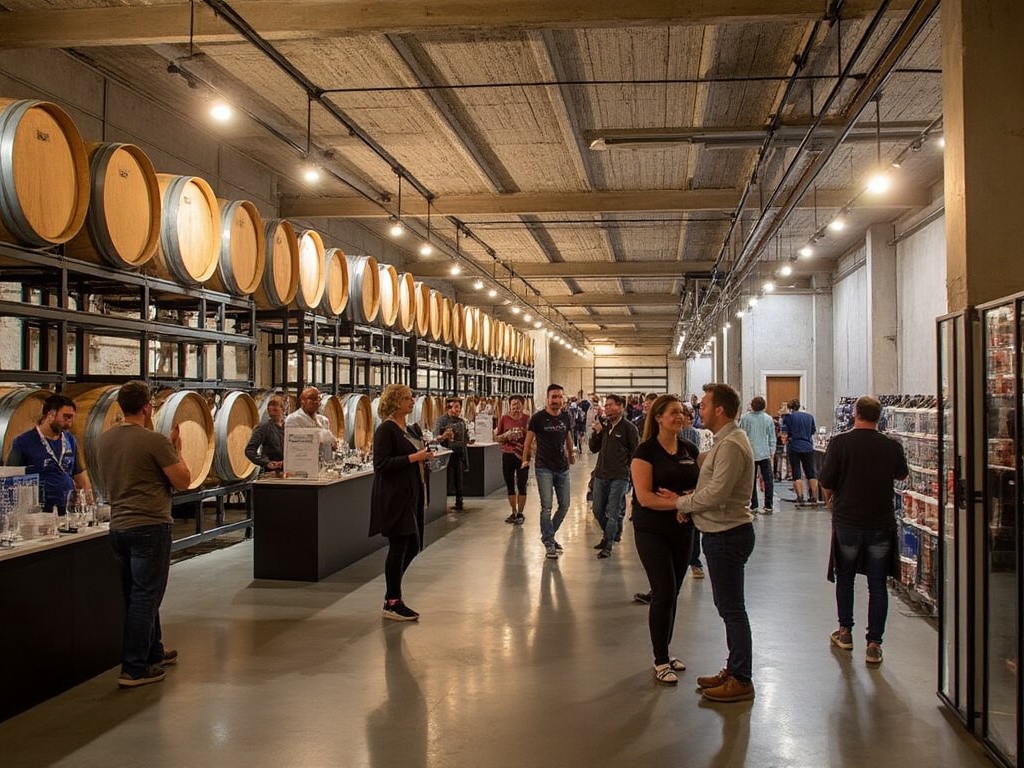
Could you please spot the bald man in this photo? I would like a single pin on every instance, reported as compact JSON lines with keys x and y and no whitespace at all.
{"x":308,"y":416}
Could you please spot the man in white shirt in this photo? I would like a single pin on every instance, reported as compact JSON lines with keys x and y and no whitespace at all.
{"x":308,"y":416}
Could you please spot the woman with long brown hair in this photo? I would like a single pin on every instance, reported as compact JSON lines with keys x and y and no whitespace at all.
{"x":663,"y":461}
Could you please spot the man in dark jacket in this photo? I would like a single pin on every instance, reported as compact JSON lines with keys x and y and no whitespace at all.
{"x":265,"y":448}
{"x":613,"y":440}
{"x":857,"y":478}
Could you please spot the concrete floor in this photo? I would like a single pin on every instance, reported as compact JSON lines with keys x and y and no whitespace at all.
{"x":517,"y":661}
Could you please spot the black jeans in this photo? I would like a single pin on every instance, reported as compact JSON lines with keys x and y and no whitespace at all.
{"x":456,"y":475}
{"x":695,"y":552}
{"x":665,"y":558}
{"x":401,"y":551}
{"x":515,"y":474}
{"x":727,"y":553}
{"x":874,"y":547}
{"x":764,"y":466}
{"x":143,"y":556}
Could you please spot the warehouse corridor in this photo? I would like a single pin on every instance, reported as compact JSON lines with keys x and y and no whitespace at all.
{"x":517,"y":661}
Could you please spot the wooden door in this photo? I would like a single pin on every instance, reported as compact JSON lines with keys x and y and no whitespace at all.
{"x":779,"y":390}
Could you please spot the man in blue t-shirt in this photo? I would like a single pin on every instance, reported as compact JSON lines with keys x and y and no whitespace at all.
{"x":50,"y":450}
{"x":798,"y":433}
{"x":551,"y":430}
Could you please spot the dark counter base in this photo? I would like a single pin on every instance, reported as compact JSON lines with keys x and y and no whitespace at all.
{"x":484,"y":475}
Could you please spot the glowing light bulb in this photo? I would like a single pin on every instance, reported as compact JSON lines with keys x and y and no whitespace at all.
{"x":455,"y":269}
{"x":768,"y":287}
{"x":837,"y":225}
{"x":752,"y":301}
{"x":879,"y":184}
{"x":806,"y":251}
{"x":785,"y":270}
{"x":397,"y":230}
{"x":426,"y":249}
{"x":516,"y":310}
{"x":527,"y":317}
{"x":478,"y":285}
{"x":221,"y":112}
{"x":492,"y":293}
{"x":311,"y":175}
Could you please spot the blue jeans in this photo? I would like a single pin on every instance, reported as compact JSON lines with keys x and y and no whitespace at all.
{"x":609,"y":497}
{"x":558,"y":482}
{"x":143,"y":557}
{"x":764,"y":466}
{"x":874,"y":548}
{"x":727,"y":553}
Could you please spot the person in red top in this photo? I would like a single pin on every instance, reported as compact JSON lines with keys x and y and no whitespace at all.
{"x":511,"y":434}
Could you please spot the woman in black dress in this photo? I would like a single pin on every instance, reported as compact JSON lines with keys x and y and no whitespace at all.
{"x":397,"y":501}
{"x":662,"y":460}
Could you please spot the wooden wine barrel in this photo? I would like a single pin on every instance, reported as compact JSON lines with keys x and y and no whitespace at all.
{"x":336,"y":279}
{"x":122,"y":228}
{"x":312,"y":270}
{"x":358,"y":421}
{"x":191,"y":413}
{"x":388,"y":315}
{"x":434,"y":326}
{"x":261,"y":396}
{"x":422,"y":294}
{"x":458,"y":318}
{"x":499,"y":339}
{"x":243,"y":249}
{"x":280,"y":280}
{"x":332,"y":407}
{"x":375,"y":410}
{"x":189,"y":231}
{"x":446,"y":319}
{"x":424,"y":411}
{"x":508,"y":342}
{"x":44,"y":174}
{"x":484,"y":337}
{"x":363,"y":288}
{"x":233,"y":423}
{"x":406,"y":302}
{"x":470,"y":328}
{"x":96,"y":412}
{"x":20,"y":409}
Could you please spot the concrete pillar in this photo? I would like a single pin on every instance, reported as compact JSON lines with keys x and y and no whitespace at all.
{"x":983,"y":115}
{"x":719,"y":350}
{"x":734,"y":360}
{"x":821,"y":387}
{"x":880,"y":263}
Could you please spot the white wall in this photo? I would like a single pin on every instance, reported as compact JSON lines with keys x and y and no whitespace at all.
{"x":920,"y":297}
{"x":850,"y":328}
{"x":699,"y":371}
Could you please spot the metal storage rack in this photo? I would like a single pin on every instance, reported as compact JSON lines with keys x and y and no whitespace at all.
{"x":65,"y":302}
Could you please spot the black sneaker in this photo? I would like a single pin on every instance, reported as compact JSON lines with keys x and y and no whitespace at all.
{"x":458,"y":506}
{"x":558,"y":548}
{"x":399,"y":612}
{"x":520,"y":519}
{"x":642,"y":597}
{"x":601,"y":544}
{"x":607,"y":552}
{"x":511,"y":519}
{"x":154,"y":674}
{"x":550,"y":552}
{"x":170,"y":658}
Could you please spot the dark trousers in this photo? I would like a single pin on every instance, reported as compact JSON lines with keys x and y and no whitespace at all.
{"x":764,"y":466}
{"x":665,"y":558}
{"x":874,"y":549}
{"x":727,"y":553}
{"x":456,"y":473}
{"x":695,"y":552}
{"x":515,"y":474}
{"x":143,"y":556}
{"x":401,"y":551}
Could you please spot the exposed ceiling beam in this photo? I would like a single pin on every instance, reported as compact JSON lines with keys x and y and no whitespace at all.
{"x":581,"y":270}
{"x":614,"y":300}
{"x":634,"y":201}
{"x":283,"y":19}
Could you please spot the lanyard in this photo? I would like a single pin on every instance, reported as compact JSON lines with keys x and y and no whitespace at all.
{"x":63,"y":449}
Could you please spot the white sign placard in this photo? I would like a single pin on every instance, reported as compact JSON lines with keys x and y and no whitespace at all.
{"x":484,"y":425}
{"x":302,"y":452}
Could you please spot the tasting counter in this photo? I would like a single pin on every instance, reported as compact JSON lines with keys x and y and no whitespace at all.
{"x":61,"y":616}
{"x":484,"y":476}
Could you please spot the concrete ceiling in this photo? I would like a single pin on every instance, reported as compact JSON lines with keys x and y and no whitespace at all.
{"x":598,"y":151}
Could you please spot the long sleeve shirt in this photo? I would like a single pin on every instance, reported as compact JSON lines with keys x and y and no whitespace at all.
{"x":722,"y":497}
{"x":266,"y":444}
{"x":614,"y":446}
{"x":760,"y":431}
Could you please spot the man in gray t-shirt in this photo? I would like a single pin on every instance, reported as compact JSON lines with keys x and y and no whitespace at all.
{"x":140,"y":468}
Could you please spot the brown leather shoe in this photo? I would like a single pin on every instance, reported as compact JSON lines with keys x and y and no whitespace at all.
{"x":713,"y":681}
{"x":729,"y":691}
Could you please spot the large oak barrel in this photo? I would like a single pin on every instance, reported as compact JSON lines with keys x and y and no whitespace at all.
{"x":358,"y":421}
{"x":406,"y":302}
{"x":458,"y":318}
{"x":470,"y":328}
{"x":190,"y":411}
{"x":312,"y":270}
{"x":122,"y":228}
{"x":281,"y":267}
{"x":20,"y":409}
{"x":422,"y":293}
{"x":243,"y":249}
{"x":363,"y":288}
{"x":233,"y":422}
{"x":446,"y":320}
{"x":96,"y":412}
{"x":389,"y":307}
{"x":484,"y":337}
{"x":424,"y":411}
{"x":375,"y":410}
{"x":189,"y":231}
{"x":332,"y":407}
{"x":434,"y":315}
{"x":498,"y":348}
{"x":336,"y":283}
{"x":44,"y":174}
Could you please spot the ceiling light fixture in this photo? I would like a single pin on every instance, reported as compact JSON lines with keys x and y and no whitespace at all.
{"x":221,"y":112}
{"x":785,"y":270}
{"x":311,"y":175}
{"x":768,"y":287}
{"x":837,"y":225}
{"x":426,"y":249}
{"x":740,"y":314}
{"x":879,"y":183}
{"x":478,"y":284}
{"x":527,"y":318}
{"x":538,"y":324}
{"x":806,"y":251}
{"x":492,"y":293}
{"x":455,"y":270}
{"x":727,"y":326}
{"x":516,"y":310}
{"x":397,"y":230}
{"x":752,"y":301}
{"x":551,"y":334}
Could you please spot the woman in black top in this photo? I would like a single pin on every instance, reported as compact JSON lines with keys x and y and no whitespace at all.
{"x":397,"y":500}
{"x":662,"y":460}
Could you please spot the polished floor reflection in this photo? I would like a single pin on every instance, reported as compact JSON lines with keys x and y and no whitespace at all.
{"x":517,"y":661}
